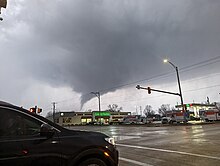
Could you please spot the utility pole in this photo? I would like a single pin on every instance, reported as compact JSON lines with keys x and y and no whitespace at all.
{"x":178,"y":81}
{"x":54,"y":110}
{"x":97,"y":94}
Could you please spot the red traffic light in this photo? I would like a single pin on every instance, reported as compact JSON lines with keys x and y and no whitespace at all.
{"x":149,"y":90}
{"x":39,"y":110}
{"x":33,"y":110}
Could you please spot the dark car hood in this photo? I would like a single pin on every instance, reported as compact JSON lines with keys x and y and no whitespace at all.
{"x":68,"y":132}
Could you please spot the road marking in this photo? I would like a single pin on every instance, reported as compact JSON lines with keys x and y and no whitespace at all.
{"x":170,"y":151}
{"x":134,"y":162}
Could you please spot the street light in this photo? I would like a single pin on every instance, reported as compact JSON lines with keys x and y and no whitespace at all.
{"x":178,"y":79}
{"x":97,"y":94}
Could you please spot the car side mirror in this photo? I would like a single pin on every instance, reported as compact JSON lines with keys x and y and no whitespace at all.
{"x":47,"y":131}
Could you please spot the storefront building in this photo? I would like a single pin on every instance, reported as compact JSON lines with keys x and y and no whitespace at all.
{"x":85,"y":118}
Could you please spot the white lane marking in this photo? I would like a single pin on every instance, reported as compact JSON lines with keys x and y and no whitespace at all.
{"x":170,"y":151}
{"x":134,"y":162}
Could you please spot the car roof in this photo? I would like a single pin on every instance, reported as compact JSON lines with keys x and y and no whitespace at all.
{"x":6,"y":104}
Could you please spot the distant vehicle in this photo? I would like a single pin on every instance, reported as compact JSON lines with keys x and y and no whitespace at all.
{"x":27,"y":139}
{"x":177,"y":116}
{"x":209,"y":115}
{"x":116,"y":122}
{"x":166,"y":120}
{"x":134,"y":119}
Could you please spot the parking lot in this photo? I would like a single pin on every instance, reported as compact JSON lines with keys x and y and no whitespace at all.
{"x":166,"y":145}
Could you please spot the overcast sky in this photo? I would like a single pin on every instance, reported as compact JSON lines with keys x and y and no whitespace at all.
{"x":60,"y":51}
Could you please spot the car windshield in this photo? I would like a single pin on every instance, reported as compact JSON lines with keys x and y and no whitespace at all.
{"x":145,"y":72}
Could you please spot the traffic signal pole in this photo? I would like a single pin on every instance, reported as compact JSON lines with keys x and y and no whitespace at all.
{"x":180,"y":91}
{"x":161,"y":91}
{"x":178,"y":80}
{"x":156,"y":90}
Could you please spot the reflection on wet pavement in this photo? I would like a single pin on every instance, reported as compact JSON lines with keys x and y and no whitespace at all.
{"x":122,"y":137}
{"x":198,"y":134}
{"x":186,"y":144}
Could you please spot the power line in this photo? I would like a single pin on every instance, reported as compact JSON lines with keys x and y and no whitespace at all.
{"x":183,"y":82}
{"x":213,"y":86}
{"x":183,"y":69}
{"x":164,"y":75}
{"x":150,"y":98}
{"x":205,"y":62}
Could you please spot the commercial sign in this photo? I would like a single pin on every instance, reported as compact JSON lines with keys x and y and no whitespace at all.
{"x":102,"y":113}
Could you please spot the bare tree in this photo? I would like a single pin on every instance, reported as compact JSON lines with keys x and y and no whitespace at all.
{"x":148,"y":111}
{"x":114,"y":108}
{"x":163,"y":109}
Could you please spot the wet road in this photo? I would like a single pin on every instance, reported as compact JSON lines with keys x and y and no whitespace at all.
{"x":196,"y":145}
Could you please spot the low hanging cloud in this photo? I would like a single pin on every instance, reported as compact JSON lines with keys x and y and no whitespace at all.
{"x":98,"y":44}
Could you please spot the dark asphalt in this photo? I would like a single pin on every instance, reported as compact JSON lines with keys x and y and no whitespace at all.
{"x":193,"y":145}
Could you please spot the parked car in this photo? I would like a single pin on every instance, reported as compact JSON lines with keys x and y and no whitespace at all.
{"x":28,"y":139}
{"x":166,"y":120}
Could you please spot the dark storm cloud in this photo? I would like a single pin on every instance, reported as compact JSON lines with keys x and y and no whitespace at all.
{"x":95,"y":45}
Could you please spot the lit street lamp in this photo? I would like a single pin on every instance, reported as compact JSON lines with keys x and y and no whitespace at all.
{"x":178,"y":79}
{"x":97,"y":94}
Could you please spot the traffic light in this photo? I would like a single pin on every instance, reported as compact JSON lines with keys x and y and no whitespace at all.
{"x":33,"y":110}
{"x":189,"y":105}
{"x":39,"y":110}
{"x":149,"y":90}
